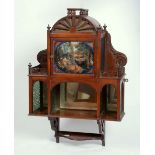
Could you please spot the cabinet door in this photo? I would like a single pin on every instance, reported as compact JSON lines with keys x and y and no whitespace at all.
{"x":73,"y":57}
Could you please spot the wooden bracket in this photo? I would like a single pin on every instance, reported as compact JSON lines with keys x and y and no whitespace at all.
{"x":79,"y":136}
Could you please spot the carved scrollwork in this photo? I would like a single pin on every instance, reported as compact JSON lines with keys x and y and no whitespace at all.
{"x":84,"y":12}
{"x":115,"y":60}
{"x":35,"y":69}
{"x":121,"y":58}
{"x":72,"y":11}
{"x":42,"y":58}
{"x":42,"y":67}
{"x":74,"y":22}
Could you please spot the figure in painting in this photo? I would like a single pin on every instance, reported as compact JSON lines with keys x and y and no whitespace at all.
{"x":74,"y":57}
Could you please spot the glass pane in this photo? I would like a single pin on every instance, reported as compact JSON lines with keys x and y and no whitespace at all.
{"x":108,"y":99}
{"x":36,"y":95}
{"x":75,"y":96}
{"x":39,"y":96}
{"x":55,"y":100}
{"x":111,"y":98}
{"x":73,"y":57}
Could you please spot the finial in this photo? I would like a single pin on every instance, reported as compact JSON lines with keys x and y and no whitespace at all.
{"x":105,"y":26}
{"x":29,"y":65}
{"x":29,"y":68}
{"x":48,"y":27}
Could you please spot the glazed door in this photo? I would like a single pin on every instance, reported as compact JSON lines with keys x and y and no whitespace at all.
{"x":73,"y":57}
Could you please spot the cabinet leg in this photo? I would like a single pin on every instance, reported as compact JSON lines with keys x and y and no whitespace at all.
{"x":55,"y":126}
{"x":101,"y":126}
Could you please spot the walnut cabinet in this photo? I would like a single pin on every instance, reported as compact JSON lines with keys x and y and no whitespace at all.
{"x":80,"y":75}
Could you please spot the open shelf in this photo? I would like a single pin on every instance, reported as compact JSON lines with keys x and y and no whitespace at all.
{"x":40,"y":112}
{"x":80,"y":106}
{"x":73,"y":100}
{"x":87,"y":114}
{"x":110,"y":116}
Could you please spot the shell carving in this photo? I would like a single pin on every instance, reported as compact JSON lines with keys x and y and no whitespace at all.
{"x":73,"y":24}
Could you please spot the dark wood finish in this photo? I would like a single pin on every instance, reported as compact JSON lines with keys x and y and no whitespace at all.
{"x":109,"y":68}
{"x":55,"y":126}
{"x":79,"y":135}
{"x":41,"y":96}
{"x":81,"y":105}
{"x":39,"y":112}
{"x":67,"y":113}
{"x":101,"y":125}
{"x":30,"y":96}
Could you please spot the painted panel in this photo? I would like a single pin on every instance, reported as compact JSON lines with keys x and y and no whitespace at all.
{"x":73,"y":57}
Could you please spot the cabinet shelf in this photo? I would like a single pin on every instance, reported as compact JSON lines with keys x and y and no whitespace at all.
{"x":110,"y":116}
{"x":87,"y":114}
{"x":40,"y":112}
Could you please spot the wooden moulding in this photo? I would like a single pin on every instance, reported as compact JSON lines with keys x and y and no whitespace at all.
{"x":80,"y":106}
{"x":79,"y":114}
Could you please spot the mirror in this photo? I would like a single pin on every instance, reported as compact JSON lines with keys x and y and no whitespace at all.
{"x":108,"y":99}
{"x":74,"y":95}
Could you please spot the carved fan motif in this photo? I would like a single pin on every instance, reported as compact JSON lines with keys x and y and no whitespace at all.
{"x":72,"y":24}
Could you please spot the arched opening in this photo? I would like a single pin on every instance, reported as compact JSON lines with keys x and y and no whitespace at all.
{"x":108,"y":101}
{"x":40,"y":97}
{"x":78,"y":98}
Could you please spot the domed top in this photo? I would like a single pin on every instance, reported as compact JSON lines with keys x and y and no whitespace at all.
{"x":75,"y":22}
